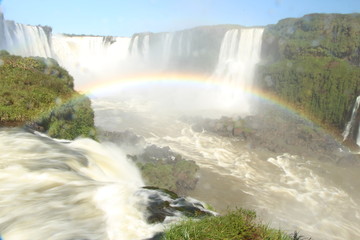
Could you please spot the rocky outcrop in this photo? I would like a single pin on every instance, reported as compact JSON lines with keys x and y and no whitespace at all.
{"x":159,"y":166}
{"x":276,"y":131}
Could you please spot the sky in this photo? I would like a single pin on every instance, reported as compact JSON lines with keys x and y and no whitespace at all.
{"x":125,"y":17}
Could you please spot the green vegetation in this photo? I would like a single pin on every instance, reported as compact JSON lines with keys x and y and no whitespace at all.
{"x":178,"y":175}
{"x":159,"y":166}
{"x":317,"y":35}
{"x":39,"y":93}
{"x":313,"y":63}
{"x":325,"y":87}
{"x":240,"y":224}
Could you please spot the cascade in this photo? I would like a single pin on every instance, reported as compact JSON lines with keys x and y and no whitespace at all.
{"x":239,"y":54}
{"x":76,"y":176}
{"x":350,"y":125}
{"x":25,"y":40}
{"x":79,"y":189}
{"x":134,"y":47}
{"x":140,"y":47}
{"x":86,"y":57}
{"x":167,"y":40}
{"x":146,"y":47}
{"x":63,"y":190}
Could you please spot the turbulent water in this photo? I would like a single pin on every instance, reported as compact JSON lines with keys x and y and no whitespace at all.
{"x":318,"y":198}
{"x":86,"y":190}
{"x":72,"y":190}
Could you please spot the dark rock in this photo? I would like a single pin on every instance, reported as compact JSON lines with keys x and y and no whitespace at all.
{"x":162,"y":203}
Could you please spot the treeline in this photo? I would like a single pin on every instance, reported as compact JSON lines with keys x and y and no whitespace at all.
{"x":313,"y":63}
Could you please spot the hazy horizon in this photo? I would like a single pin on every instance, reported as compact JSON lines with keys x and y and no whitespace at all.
{"x":114,"y":18}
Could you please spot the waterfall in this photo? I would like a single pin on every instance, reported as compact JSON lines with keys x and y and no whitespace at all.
{"x":167,"y":40}
{"x":146,"y":47}
{"x":140,"y":47}
{"x":87,"y":57}
{"x":25,"y":40}
{"x":351,"y":123}
{"x":76,"y":190}
{"x":239,"y":54}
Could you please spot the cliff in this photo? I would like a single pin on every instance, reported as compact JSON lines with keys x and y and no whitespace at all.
{"x":193,"y":50}
{"x":313,"y":63}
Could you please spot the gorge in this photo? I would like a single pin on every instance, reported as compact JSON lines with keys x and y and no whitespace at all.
{"x":160,"y":83}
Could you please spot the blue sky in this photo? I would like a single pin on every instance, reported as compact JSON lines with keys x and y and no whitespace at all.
{"x":125,"y":17}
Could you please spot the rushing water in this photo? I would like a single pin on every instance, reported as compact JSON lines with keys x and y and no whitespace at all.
{"x":86,"y":190}
{"x":351,"y":124}
{"x":318,"y":198}
{"x":72,"y":190}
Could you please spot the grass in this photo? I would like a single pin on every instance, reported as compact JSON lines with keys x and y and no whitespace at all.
{"x":39,"y":93}
{"x":240,"y":224}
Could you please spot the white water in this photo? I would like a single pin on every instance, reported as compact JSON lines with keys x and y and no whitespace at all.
{"x":168,"y":39}
{"x":89,"y":57}
{"x":140,"y":48}
{"x":318,"y":198}
{"x":239,"y":55}
{"x":352,"y":122}
{"x":79,"y":190}
{"x":24,"y":40}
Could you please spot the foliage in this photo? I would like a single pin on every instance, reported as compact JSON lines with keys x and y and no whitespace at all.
{"x":240,"y":224}
{"x":33,"y":90}
{"x":336,"y":35}
{"x":72,"y":119}
{"x":178,"y":175}
{"x":324,"y":87}
{"x":313,"y":63}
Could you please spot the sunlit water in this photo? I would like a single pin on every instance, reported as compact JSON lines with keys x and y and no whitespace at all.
{"x":47,"y":186}
{"x":74,"y":190}
{"x":317,"y":198}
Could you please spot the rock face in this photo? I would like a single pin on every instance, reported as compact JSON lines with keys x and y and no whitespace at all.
{"x":313,"y":63}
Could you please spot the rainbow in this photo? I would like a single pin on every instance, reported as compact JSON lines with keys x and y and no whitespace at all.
{"x":147,"y":81}
{"x":107,"y":86}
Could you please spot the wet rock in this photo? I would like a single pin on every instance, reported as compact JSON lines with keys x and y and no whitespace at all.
{"x":162,"y":203}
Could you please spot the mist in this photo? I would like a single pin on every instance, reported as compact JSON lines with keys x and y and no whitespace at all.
{"x":192,"y":91}
{"x":169,"y":73}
